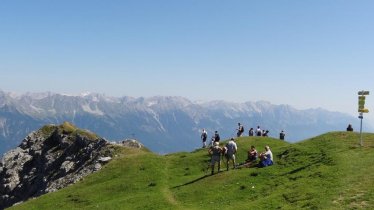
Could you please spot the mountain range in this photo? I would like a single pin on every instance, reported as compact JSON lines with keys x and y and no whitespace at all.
{"x":163,"y":124}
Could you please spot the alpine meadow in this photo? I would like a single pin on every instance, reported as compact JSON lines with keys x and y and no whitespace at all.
{"x":330,"y":171}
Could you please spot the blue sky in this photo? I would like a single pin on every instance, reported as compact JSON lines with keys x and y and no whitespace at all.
{"x":307,"y":53}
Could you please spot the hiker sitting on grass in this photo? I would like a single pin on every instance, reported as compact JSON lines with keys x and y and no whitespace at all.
{"x":349,"y":128}
{"x":252,"y":154}
{"x":266,"y":157}
{"x":215,"y":151}
{"x":252,"y":158}
{"x":265,"y":133}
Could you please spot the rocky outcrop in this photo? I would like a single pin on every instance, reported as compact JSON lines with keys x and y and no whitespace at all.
{"x":50,"y":159}
{"x":132,"y":143}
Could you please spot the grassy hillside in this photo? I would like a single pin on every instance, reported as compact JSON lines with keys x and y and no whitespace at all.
{"x":327,"y":172}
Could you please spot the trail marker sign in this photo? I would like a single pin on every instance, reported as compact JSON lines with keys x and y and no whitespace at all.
{"x":363,"y":93}
{"x":361,"y":108}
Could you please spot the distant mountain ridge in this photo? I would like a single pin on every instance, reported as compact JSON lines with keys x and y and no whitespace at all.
{"x":162,"y":123}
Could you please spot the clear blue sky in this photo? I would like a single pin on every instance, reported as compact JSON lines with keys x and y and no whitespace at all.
{"x":310,"y":53}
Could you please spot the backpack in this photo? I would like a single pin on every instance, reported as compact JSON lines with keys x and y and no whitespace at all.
{"x":242,"y":129}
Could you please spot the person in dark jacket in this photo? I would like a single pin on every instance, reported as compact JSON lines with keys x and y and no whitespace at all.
{"x":216,"y":136}
{"x":251,"y":132}
{"x":282,"y":135}
{"x":349,"y":128}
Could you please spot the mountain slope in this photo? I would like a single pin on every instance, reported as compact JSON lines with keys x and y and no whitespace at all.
{"x":326,"y":172}
{"x":163,"y":124}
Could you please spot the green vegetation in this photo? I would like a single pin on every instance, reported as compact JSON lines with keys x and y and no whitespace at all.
{"x":47,"y":130}
{"x":67,"y":129}
{"x":326,"y":172}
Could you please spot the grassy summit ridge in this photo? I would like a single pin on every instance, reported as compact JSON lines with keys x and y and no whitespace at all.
{"x":326,"y":172}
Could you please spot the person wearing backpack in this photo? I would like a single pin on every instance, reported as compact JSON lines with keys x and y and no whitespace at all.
{"x":215,"y":151}
{"x":204,"y":136}
{"x":231,"y":149}
{"x":259,"y":131}
{"x":240,"y":130}
{"x":251,"y":132}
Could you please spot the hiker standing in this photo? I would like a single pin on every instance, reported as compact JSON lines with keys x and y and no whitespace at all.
{"x":240,"y":130}
{"x":282,"y":135}
{"x":216,"y":136}
{"x":215,"y":151}
{"x":251,"y":132}
{"x":212,"y":140}
{"x":258,"y":131}
{"x":230,"y":153}
{"x":204,"y":136}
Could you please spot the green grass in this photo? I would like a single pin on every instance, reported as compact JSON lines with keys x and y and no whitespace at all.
{"x":326,"y":172}
{"x":67,"y":128}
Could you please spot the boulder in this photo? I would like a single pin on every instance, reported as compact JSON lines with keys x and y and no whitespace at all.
{"x":104,"y":159}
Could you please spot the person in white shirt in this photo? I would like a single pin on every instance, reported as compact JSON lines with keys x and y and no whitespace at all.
{"x":258,"y":131}
{"x":231,"y":149}
{"x":266,"y":157}
{"x":204,"y":136}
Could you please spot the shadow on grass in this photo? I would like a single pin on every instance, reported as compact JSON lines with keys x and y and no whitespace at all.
{"x":314,"y":163}
{"x":191,"y":182}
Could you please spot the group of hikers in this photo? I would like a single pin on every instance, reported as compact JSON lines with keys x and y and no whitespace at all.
{"x":230,"y":149}
{"x":228,"y":152}
{"x":240,"y":130}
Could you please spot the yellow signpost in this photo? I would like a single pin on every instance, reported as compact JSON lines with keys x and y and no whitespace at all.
{"x":361,"y":109}
{"x":361,"y":103}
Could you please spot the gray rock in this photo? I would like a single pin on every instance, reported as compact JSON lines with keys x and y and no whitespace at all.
{"x":132,"y":143}
{"x":105,"y":159}
{"x":67,"y":166}
{"x":46,"y":163}
{"x":97,"y":166}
